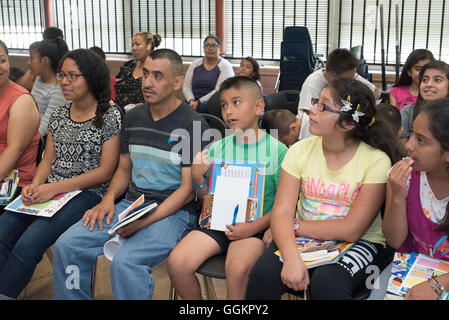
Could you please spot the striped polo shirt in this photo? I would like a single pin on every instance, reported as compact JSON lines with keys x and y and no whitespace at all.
{"x":160,"y":149}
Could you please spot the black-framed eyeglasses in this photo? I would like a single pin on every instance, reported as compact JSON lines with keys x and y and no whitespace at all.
{"x":322,"y":107}
{"x":70,"y":76}
{"x":211,"y":45}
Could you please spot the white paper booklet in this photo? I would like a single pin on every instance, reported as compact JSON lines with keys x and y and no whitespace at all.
{"x":135,"y":213}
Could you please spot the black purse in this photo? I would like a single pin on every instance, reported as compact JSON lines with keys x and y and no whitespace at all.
{"x":128,"y":93}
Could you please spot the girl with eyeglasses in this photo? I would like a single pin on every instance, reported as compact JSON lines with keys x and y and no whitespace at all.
{"x":19,"y":126}
{"x":44,"y":60}
{"x":81,"y":153}
{"x":334,"y":185}
{"x":204,"y":75}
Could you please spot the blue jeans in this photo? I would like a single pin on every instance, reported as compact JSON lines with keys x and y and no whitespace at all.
{"x":24,"y":239}
{"x":131,"y":269}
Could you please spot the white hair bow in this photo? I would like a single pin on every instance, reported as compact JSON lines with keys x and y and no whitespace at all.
{"x":357,"y":114}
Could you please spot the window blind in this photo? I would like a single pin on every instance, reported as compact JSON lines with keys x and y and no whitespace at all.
{"x":20,"y":23}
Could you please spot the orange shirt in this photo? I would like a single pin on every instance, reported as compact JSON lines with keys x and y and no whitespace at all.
{"x":26,"y":164}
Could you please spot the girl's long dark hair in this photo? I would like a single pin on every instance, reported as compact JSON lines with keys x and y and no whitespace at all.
{"x":96,"y":73}
{"x":376,"y":132}
{"x":256,"y":68}
{"x":438,"y":113}
{"x":413,"y":58}
{"x":437,"y":65}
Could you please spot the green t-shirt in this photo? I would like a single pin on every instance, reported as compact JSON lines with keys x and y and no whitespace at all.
{"x":267,"y":150}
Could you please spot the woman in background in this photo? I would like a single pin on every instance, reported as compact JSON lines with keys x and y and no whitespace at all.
{"x":19,"y":126}
{"x":204,"y":75}
{"x":129,"y":79}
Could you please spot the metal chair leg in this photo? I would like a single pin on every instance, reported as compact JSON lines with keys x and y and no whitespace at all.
{"x":93,"y":278}
{"x":172,"y":295}
{"x":210,"y":290}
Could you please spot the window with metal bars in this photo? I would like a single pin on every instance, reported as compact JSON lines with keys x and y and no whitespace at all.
{"x":252,"y":27}
{"x":21,"y":22}
{"x":255,"y":27}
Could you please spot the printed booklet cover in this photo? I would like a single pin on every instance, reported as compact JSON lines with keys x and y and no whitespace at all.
{"x":316,"y":253}
{"x":237,"y":189}
{"x":44,"y":209}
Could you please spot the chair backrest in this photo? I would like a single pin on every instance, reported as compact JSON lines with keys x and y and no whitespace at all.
{"x":213,"y":105}
{"x":215,"y":123}
{"x":362,"y":68}
{"x":286,"y":99}
{"x":297,"y":60}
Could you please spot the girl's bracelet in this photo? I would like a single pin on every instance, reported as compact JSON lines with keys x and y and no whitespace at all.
{"x":439,"y":286}
{"x":430,"y":283}
{"x":199,"y":187}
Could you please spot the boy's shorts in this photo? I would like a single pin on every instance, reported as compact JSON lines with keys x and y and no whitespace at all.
{"x":221,"y":238}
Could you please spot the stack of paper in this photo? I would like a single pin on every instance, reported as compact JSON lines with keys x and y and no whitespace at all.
{"x":316,"y":253}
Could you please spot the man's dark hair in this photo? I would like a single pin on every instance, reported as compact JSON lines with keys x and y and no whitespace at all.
{"x":172,"y":56}
{"x":340,"y":61}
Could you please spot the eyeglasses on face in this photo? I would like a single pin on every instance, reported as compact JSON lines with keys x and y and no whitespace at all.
{"x":70,"y":76}
{"x":211,"y":45}
{"x":322,"y":107}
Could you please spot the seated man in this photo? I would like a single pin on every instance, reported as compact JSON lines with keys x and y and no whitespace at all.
{"x":151,"y":165}
{"x":341,"y":63}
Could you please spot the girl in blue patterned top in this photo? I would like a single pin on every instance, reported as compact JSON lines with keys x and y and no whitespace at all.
{"x":81,"y":153}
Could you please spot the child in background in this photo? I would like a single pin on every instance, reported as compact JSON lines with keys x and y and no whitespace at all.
{"x":45,"y":57}
{"x":286,"y":124}
{"x":433,"y":84}
{"x":390,"y":114}
{"x":340,"y":63}
{"x":334,"y":183}
{"x":249,"y":67}
{"x":241,"y":102}
{"x":406,"y":90}
{"x":16,"y":74}
{"x":417,"y":204}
